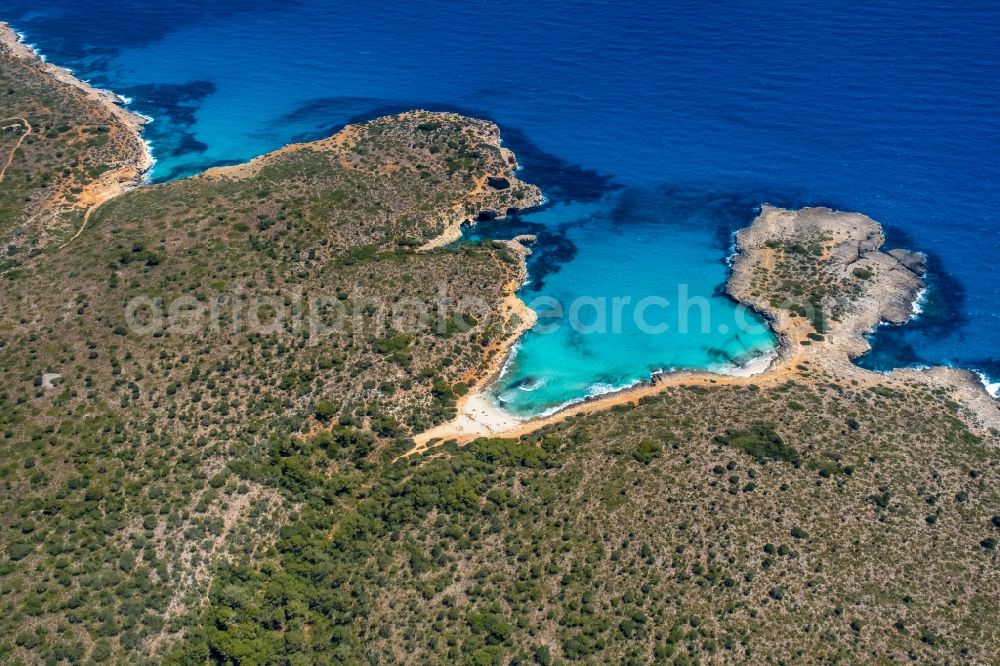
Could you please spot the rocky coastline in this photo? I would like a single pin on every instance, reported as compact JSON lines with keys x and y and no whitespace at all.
{"x":863,"y":286}
{"x":852,"y":247}
{"x":493,"y":196}
{"x":141,"y":161}
{"x":11,"y":40}
{"x":101,"y":174}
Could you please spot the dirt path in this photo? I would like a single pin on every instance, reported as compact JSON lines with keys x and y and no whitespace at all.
{"x":83,"y":225}
{"x":110,"y":185}
{"x":10,"y":158}
{"x":133,"y":158}
{"x":120,"y":178}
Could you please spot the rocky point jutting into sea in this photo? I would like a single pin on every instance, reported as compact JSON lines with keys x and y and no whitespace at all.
{"x":106,"y":158}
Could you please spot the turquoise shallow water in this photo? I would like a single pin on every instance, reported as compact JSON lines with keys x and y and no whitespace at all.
{"x":675,"y":118}
{"x":642,"y":294}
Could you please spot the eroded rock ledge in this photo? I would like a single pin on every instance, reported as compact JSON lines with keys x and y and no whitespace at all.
{"x":823,"y":280}
{"x":820,"y":273}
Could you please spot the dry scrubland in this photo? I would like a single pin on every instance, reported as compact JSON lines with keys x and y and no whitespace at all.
{"x":64,"y":147}
{"x":807,"y":521}
{"x":237,"y":498}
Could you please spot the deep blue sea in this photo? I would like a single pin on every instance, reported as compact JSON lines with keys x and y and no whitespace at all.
{"x":654,"y":129}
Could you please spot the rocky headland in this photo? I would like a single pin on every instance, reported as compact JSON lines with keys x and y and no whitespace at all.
{"x":495,"y":190}
{"x":802,"y":267}
{"x":79,"y":148}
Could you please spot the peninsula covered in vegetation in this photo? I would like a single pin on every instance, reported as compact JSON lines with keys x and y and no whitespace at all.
{"x":216,"y":450}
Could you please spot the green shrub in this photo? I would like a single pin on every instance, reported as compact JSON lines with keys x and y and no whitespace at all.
{"x":646,"y":451}
{"x":761,"y":442}
{"x":18,"y":551}
{"x":326,"y":410}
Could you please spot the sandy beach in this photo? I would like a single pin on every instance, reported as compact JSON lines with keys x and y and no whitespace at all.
{"x":480,"y":416}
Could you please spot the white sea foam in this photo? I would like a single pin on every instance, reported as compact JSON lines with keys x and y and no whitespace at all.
{"x":601,"y":388}
{"x":120,"y":99}
{"x":731,"y":254}
{"x":558,"y":408}
{"x":993,"y":388}
{"x":596,"y":390}
{"x":147,"y":175}
{"x":21,"y":37}
{"x":510,"y":357}
{"x":917,"y":307}
{"x":871,"y":331}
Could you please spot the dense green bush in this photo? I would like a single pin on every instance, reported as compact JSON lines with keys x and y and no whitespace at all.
{"x":762,"y":442}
